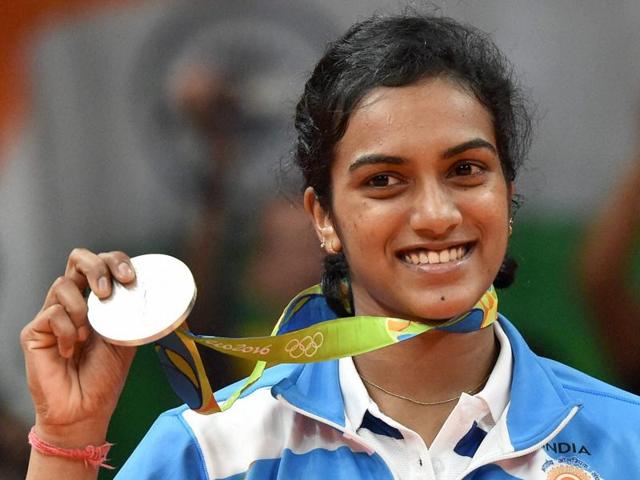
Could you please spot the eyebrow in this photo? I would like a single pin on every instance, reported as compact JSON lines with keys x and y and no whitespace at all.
{"x":470,"y":145}
{"x":375,"y":158}
{"x":378,"y":158}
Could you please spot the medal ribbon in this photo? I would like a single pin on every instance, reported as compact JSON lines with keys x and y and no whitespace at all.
{"x":302,"y":335}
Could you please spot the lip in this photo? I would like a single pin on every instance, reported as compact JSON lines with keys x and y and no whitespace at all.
{"x":437,"y":267}
{"x":435,"y":246}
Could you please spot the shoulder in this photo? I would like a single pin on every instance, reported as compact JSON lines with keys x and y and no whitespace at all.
{"x":605,"y":410}
{"x":191,"y":445}
{"x":582,"y":386}
{"x":168,"y":450}
{"x":576,"y":384}
{"x":544,"y":389}
{"x":605,"y":432}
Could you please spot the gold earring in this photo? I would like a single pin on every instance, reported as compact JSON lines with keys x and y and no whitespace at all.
{"x":510,"y":226}
{"x":332,"y":248}
{"x":322,"y":244}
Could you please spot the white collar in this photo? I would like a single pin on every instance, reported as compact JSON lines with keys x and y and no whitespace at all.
{"x":495,"y":394}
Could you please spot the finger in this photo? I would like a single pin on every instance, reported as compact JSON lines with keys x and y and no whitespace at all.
{"x":65,"y":331}
{"x":70,"y":270}
{"x":120,"y":266}
{"x":66,"y":293}
{"x":85,"y":267}
{"x":52,"y":327}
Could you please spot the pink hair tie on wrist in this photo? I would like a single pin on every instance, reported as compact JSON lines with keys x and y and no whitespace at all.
{"x":96,"y":456}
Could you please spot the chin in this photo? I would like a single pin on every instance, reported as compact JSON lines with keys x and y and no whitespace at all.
{"x":437,"y":309}
{"x":419,"y":304}
{"x":439,"y":314}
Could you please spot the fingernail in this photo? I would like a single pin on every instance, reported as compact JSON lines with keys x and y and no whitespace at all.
{"x":125,"y":270}
{"x":103,"y":284}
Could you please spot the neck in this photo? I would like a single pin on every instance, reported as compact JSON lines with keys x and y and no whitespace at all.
{"x":432,"y":366}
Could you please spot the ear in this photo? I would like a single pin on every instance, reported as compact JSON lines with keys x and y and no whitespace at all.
{"x":322,"y":222}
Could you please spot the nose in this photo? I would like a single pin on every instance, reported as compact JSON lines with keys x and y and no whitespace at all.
{"x":435,"y":212}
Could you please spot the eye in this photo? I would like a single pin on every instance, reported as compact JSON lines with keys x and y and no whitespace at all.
{"x":382,"y":180}
{"x":466,"y":168}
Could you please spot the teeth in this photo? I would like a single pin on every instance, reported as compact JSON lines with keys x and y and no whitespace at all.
{"x":424,"y":257}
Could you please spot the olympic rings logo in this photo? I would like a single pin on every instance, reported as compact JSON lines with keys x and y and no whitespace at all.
{"x":308,"y":346}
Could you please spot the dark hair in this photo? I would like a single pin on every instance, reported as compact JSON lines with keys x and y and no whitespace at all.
{"x":392,"y":51}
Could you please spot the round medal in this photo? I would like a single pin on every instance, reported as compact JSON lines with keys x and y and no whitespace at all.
{"x":155,"y":304}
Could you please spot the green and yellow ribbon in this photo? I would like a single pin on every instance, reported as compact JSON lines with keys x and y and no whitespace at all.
{"x":302,"y":335}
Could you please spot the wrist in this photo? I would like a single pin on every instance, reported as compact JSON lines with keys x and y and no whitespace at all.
{"x":91,"y":455}
{"x":74,"y":435}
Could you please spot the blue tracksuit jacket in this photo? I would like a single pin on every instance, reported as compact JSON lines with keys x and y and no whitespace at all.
{"x":560,"y":425}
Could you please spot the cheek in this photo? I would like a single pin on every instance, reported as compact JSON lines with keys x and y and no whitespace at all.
{"x":491,"y":214}
{"x":364,"y":225}
{"x":491,"y":203}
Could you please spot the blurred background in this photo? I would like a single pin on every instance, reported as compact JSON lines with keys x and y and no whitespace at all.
{"x":165,"y":126}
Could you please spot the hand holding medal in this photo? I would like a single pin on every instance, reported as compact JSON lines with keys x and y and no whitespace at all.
{"x":75,"y":376}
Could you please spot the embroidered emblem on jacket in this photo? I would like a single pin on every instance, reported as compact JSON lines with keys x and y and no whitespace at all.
{"x":570,"y":468}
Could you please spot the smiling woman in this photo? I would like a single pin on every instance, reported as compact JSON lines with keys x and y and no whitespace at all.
{"x":415,"y":177}
{"x":420,"y":207}
{"x":411,"y":131}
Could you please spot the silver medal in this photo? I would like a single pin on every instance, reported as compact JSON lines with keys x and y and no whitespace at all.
{"x":154,"y":305}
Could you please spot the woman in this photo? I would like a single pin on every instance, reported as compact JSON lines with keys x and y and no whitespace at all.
{"x":410,"y":135}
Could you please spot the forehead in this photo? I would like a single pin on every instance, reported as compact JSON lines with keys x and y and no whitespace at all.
{"x":431,"y":115}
